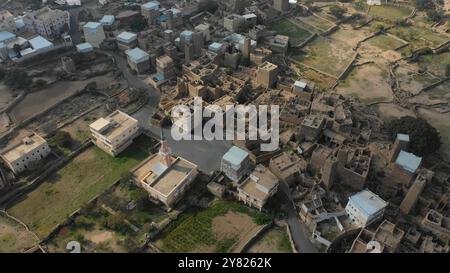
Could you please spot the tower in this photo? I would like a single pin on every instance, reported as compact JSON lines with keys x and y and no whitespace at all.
{"x":164,"y":151}
{"x":246,"y":50}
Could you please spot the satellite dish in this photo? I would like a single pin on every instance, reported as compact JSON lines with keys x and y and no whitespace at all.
{"x":374,"y":247}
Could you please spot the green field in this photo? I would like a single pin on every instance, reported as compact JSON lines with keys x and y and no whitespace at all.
{"x":418,"y":37}
{"x":435,"y":63}
{"x":328,"y":55}
{"x":86,"y":176}
{"x":295,"y":33}
{"x":389,"y":12}
{"x":385,"y":42}
{"x":194,"y":231}
{"x":14,"y":237}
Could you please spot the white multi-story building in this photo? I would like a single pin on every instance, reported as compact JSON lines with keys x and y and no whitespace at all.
{"x":235,"y":163}
{"x":114,"y":133}
{"x":27,"y":154}
{"x":364,"y":208}
{"x":93,"y":33}
{"x":47,"y":22}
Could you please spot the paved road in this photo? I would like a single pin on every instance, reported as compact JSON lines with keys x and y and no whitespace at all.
{"x":206,"y":154}
{"x":298,"y":230}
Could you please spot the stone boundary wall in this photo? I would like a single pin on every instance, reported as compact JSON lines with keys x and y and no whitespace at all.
{"x":240,"y":247}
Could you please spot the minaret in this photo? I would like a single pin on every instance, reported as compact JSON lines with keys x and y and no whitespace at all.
{"x":164,"y":151}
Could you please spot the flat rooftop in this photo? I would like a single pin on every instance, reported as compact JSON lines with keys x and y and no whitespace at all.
{"x":160,"y":177}
{"x":28,"y":144}
{"x":113,"y":125}
{"x":268,"y":66}
{"x":260,"y":178}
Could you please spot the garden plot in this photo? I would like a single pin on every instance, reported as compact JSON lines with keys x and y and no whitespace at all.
{"x":419,"y":37}
{"x":215,"y":229}
{"x":333,"y":53}
{"x":435,"y":63}
{"x":440,"y":122}
{"x":390,"y":12}
{"x":87,"y":175}
{"x":412,"y":79}
{"x":275,"y":240}
{"x":14,"y":237}
{"x":296,"y":34}
{"x":385,"y":42}
{"x":44,"y":99}
{"x":368,"y":83}
{"x":100,"y":231}
{"x":317,"y":22}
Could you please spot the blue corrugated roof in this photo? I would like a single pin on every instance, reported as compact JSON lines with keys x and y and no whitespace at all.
{"x":408,"y":161}
{"x":136,"y":54}
{"x":235,"y":155}
{"x":84,"y":47}
{"x":153,"y":5}
{"x":368,"y":202}
{"x":403,"y":137}
{"x":92,"y":26}
{"x":186,"y":34}
{"x":40,"y":42}
{"x":5,"y":36}
{"x":107,"y":20}
{"x":215,"y":46}
{"x":126,"y":36}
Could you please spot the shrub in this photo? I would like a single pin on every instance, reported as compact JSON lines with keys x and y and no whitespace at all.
{"x":424,"y":138}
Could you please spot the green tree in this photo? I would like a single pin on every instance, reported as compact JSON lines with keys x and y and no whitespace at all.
{"x":435,"y":15}
{"x":17,"y":78}
{"x":139,"y":24}
{"x":424,"y":4}
{"x":338,"y":11}
{"x":208,"y":5}
{"x":424,"y":138}
{"x":63,"y":139}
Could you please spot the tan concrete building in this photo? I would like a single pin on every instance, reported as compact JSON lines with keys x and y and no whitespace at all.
{"x":25,"y":155}
{"x":311,"y":127}
{"x":385,"y":239}
{"x":287,"y":166}
{"x":50,"y":23}
{"x":164,"y":177}
{"x":258,"y":187}
{"x":281,"y":5}
{"x":267,"y":74}
{"x":114,"y":133}
{"x":415,"y":191}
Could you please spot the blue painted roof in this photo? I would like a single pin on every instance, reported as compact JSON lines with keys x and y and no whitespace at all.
{"x":367,"y":202}
{"x":235,"y":155}
{"x":215,"y":46}
{"x":84,"y":47}
{"x":107,"y":20}
{"x":186,"y":34}
{"x":2,"y":45}
{"x":153,"y":5}
{"x":408,"y":161}
{"x":39,"y":42}
{"x":137,"y":55}
{"x":92,"y":26}
{"x":5,"y":36}
{"x":403,"y":137}
{"x":126,"y":37}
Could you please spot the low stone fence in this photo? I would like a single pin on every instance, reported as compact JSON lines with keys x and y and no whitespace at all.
{"x":242,"y":246}
{"x":291,"y":241}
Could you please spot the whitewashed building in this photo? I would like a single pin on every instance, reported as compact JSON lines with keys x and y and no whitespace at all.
{"x":26,"y":154}
{"x":364,"y":208}
{"x":47,"y":22}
